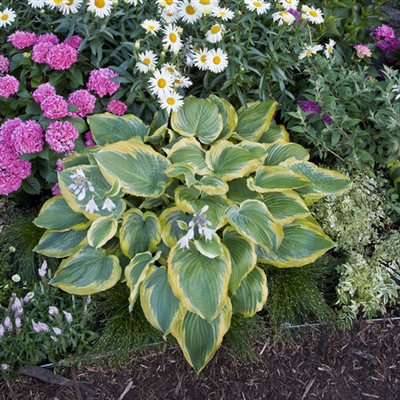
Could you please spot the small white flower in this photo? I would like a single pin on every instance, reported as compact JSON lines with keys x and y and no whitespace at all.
{"x":8,"y":324}
{"x":91,"y":206}
{"x":101,"y":8}
{"x":151,"y":26}
{"x":29,"y":296}
{"x":215,"y":33}
{"x":200,"y":59}
{"x":257,"y":5}
{"x":16,"y":278}
{"x":172,"y":38}
{"x":283,"y":17}
{"x":53,"y":310}
{"x":315,"y":16}
{"x":36,"y":3}
{"x":171,"y":101}
{"x":42,"y":270}
{"x":12,"y":249}
{"x":161,"y":82}
{"x":289,"y":4}
{"x":148,"y":60}
{"x":71,"y":6}
{"x":57,"y":331}
{"x":5,"y":367}
{"x":217,"y":60}
{"x":68,"y":316}
{"x":309,"y":50}
{"x":182,"y":81}
{"x":2,"y":330}
{"x":184,"y":241}
{"x":224,"y":13}
{"x":188,"y":12}
{"x":17,"y":322}
{"x":329,"y":48}
{"x":108,"y":204}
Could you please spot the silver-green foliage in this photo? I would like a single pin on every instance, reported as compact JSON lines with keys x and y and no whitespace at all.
{"x":359,"y":223}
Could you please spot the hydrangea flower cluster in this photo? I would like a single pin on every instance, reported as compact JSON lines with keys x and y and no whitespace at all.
{"x":386,"y":41}
{"x":117,"y":107}
{"x":101,"y":82}
{"x":8,"y":85}
{"x":61,"y":136}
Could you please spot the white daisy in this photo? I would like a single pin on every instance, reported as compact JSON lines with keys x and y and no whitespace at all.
{"x":217,"y":60}
{"x":161,"y":82}
{"x":224,"y":13}
{"x":168,"y":67}
{"x":71,"y":6}
{"x":134,"y":2}
{"x":169,"y":5}
{"x":283,"y":17}
{"x":206,"y":6}
{"x":171,"y":101}
{"x":55,"y":3}
{"x":36,"y":3}
{"x":7,"y":17}
{"x":188,"y":13}
{"x":147,"y":61}
{"x":101,"y":8}
{"x":257,"y":5}
{"x":289,"y":4}
{"x":214,"y":35}
{"x":329,"y":48}
{"x":315,"y":16}
{"x":168,"y":16}
{"x":200,"y":59}
{"x":182,"y":81}
{"x":172,"y":38}
{"x":151,"y":26}
{"x":310,"y":50}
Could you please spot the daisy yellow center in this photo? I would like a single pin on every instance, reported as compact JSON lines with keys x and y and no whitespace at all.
{"x":178,"y":82}
{"x":172,"y":37}
{"x":97,"y":3}
{"x":169,"y":2}
{"x":147,"y":61}
{"x":4,"y":17}
{"x":203,"y":58}
{"x":171,"y":101}
{"x":216,"y":60}
{"x":313,"y":13}
{"x":162,"y":83}
{"x":215,"y":29}
{"x":283,"y":13}
{"x":289,"y":1}
{"x":151,"y":27}
{"x":205,"y":2}
{"x":190,"y":10}
{"x":329,"y":49}
{"x":257,"y":4}
{"x":58,"y":1}
{"x":171,"y":70}
{"x":308,"y":53}
{"x":70,"y":2}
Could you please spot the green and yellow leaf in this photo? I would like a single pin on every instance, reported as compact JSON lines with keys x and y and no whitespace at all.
{"x":101,"y":231}
{"x":281,"y":150}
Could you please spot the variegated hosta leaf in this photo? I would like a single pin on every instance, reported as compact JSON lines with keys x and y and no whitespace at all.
{"x":198,"y":117}
{"x":304,"y":241}
{"x":274,"y":132}
{"x":276,"y":179}
{"x":183,"y":172}
{"x":252,"y":294}
{"x":139,"y":232}
{"x":239,"y":191}
{"x":253,"y":220}
{"x":160,"y":306}
{"x":281,"y":150}
{"x":200,"y":339}
{"x":213,"y":185}
{"x":157,"y":128}
{"x":56,"y":215}
{"x":187,"y":199}
{"x":324,"y":182}
{"x":199,"y":282}
{"x":170,"y":230}
{"x":228,"y":113}
{"x":135,"y":273}
{"x":189,"y":151}
{"x":139,"y":168}
{"x":86,"y":272}
{"x":286,"y":206}
{"x":209,"y":248}
{"x":231,"y":161}
{"x":257,"y":149}
{"x":101,"y":231}
{"x":108,"y":128}
{"x":243,"y":257}
{"x":254,"y":119}
{"x":60,"y":244}
{"x":79,"y":200}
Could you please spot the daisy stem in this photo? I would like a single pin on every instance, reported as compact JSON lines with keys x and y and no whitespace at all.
{"x":249,"y":34}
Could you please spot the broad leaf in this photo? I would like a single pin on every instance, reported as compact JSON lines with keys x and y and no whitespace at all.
{"x":199,"y":282}
{"x":280,"y":151}
{"x":160,"y":306}
{"x":101,"y":231}
{"x":86,"y":272}
{"x":228,"y":113}
{"x":200,"y":339}
{"x":239,"y":191}
{"x":252,"y":294}
{"x":274,"y":132}
{"x":170,"y":230}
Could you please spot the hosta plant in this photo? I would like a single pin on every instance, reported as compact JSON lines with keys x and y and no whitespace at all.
{"x":183,"y":211}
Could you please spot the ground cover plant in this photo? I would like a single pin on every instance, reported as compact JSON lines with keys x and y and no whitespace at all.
{"x":155,"y":135}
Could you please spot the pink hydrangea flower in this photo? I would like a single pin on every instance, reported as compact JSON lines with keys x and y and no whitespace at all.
{"x":89,"y":142}
{"x":54,"y":107}
{"x":48,"y":38}
{"x":28,"y":137}
{"x":61,"y":136}
{"x":40,"y":51}
{"x":74,"y":41}
{"x":43,"y":91}
{"x":385,"y":32}
{"x":84,"y":101}
{"x":20,"y":39}
{"x":13,"y":170}
{"x":117,"y":107}
{"x":8,"y":85}
{"x":4,"y":64}
{"x":362,"y":51}
{"x":7,"y":129}
{"x":100,"y":82}
{"x":62,"y":56}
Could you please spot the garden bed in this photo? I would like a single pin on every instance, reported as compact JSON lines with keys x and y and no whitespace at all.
{"x":318,"y":363}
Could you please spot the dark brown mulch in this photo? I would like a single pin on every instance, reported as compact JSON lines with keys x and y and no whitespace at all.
{"x":318,"y":363}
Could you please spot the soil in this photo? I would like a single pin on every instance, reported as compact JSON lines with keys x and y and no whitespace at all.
{"x":317,"y":363}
